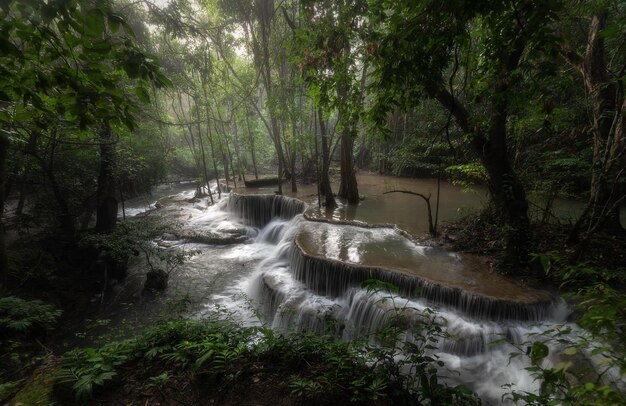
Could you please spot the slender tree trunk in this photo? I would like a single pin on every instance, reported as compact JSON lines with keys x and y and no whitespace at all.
{"x":4,"y":261}
{"x":231,"y":162}
{"x":65,"y":218}
{"x":240,"y":173}
{"x":252,"y":148}
{"x":279,"y":152}
{"x":609,"y":134}
{"x":294,"y":155}
{"x":106,"y":211}
{"x":205,"y":171}
{"x":217,"y":174}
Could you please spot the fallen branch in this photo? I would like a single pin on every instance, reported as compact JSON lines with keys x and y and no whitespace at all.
{"x":431,"y":227}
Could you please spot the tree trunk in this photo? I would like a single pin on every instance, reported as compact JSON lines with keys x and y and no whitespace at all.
{"x":252,"y":151}
{"x":205,"y":171}
{"x":325,"y":188}
{"x":212,"y":146}
{"x":294,"y":155}
{"x":106,"y":212}
{"x":348,"y":188}
{"x":609,"y":127}
{"x":4,"y":262}
{"x":279,"y":151}
{"x":507,"y":191}
{"x":240,"y":172}
{"x":505,"y":188}
{"x":65,"y":218}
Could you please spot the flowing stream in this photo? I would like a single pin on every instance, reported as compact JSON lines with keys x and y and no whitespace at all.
{"x":294,"y":269}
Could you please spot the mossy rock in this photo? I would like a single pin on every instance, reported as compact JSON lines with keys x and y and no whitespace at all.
{"x":156,"y":280}
{"x":38,"y":389}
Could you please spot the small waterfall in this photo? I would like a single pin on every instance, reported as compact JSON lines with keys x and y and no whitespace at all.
{"x":296,"y":287}
{"x":333,"y":278}
{"x":273,"y":232}
{"x":259,"y":210}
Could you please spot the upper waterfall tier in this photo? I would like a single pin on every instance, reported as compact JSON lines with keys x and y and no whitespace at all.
{"x":331,"y":258}
{"x":259,"y":210}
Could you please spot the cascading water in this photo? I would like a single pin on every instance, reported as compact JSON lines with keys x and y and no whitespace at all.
{"x":309,"y":274}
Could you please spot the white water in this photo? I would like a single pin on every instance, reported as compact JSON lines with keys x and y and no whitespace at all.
{"x":269,"y":293}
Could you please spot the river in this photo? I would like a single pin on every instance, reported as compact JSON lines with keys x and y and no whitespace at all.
{"x":305,"y":272}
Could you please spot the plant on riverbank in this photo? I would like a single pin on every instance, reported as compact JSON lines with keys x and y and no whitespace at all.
{"x":224,"y":362}
{"x":23,"y":323}
{"x":406,"y":348}
{"x":137,"y":238}
{"x":581,"y":366}
{"x":19,"y":316}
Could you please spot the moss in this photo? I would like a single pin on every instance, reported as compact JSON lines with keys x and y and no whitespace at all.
{"x":38,"y":389}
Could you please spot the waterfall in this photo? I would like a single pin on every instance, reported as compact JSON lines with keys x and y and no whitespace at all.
{"x":310,"y":278}
{"x":333,"y":278}
{"x":259,"y":210}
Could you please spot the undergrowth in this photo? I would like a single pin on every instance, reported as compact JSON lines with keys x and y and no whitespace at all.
{"x":23,"y":325}
{"x":223,"y":356}
{"x":582,"y":364}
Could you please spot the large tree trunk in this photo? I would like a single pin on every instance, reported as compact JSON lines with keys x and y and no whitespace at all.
{"x":507,"y":192}
{"x":4,"y":262}
{"x":348,"y":188}
{"x":508,"y":197}
{"x":505,"y":188}
{"x":106,"y":212}
{"x":325,"y":188}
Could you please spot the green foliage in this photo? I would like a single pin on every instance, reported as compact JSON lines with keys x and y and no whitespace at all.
{"x":590,"y":362}
{"x":467,"y":174}
{"x":402,"y":346}
{"x":19,"y":316}
{"x":65,"y":64}
{"x":132,"y":237}
{"x":319,"y":367}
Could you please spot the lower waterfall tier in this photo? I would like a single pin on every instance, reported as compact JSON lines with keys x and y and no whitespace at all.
{"x":329,"y":259}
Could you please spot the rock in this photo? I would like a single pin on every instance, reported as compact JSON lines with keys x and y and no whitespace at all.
{"x":156,"y":280}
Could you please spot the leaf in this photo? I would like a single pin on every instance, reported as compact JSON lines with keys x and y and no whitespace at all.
{"x":563,"y":366}
{"x":570,"y":351}
{"x":8,"y":48}
{"x":94,"y":22}
{"x":115,"y":22}
{"x":142,"y":94}
{"x":538,"y":352}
